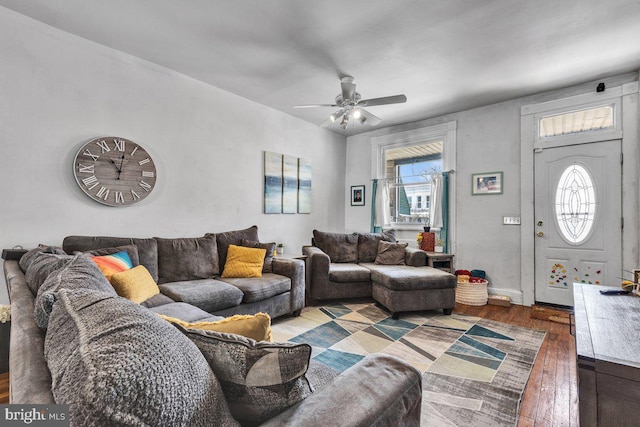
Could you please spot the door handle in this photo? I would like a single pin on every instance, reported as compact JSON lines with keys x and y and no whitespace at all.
{"x":539,"y":234}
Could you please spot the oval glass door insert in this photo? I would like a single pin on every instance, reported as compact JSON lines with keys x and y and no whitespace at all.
{"x":575,"y":204}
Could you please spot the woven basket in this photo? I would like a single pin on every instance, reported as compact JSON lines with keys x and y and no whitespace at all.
{"x":472,"y":293}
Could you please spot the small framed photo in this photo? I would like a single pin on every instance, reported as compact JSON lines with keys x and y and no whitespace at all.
{"x":486,"y":183}
{"x":357,"y":195}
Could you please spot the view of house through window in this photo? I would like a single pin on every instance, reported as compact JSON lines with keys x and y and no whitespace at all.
{"x":409,"y":171}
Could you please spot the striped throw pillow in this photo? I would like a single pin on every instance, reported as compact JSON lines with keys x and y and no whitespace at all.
{"x":114,"y":263}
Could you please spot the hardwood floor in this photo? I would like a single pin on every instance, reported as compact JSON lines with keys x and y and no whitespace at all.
{"x":4,"y":388}
{"x":551,"y":395}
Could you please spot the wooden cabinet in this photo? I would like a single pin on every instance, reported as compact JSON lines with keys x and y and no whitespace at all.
{"x":608,"y":356}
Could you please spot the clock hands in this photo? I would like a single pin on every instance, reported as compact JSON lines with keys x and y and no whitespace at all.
{"x":118,"y":168}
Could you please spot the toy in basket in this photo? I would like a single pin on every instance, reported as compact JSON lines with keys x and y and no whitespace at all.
{"x":472,"y":287}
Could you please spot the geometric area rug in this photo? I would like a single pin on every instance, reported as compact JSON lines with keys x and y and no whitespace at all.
{"x":474,"y":370}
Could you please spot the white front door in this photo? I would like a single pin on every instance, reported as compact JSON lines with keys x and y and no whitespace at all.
{"x":578,"y":219}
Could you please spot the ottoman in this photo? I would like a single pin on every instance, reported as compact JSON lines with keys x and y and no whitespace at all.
{"x":406,"y":288}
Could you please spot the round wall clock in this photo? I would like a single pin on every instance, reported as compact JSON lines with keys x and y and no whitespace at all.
{"x":114,"y":171}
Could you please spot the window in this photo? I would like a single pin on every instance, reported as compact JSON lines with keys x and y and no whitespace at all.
{"x":409,"y":173}
{"x":575,"y":204}
{"x":405,"y":162}
{"x":590,"y":119}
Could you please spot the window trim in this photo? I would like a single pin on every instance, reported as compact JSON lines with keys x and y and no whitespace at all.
{"x":539,"y":111}
{"x":445,"y":132}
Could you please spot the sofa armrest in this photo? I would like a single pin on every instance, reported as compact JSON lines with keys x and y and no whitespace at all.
{"x":415,"y":257}
{"x":317,"y":268}
{"x":294,"y":270}
{"x":381,"y":390}
{"x":30,"y":379}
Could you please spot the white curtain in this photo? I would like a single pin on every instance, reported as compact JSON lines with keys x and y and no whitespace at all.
{"x":435,"y":209}
{"x":383,"y":213}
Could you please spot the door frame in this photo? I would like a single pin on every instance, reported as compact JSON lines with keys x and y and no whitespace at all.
{"x":626,"y":128}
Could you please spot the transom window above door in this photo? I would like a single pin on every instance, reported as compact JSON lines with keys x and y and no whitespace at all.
{"x":585,"y":120}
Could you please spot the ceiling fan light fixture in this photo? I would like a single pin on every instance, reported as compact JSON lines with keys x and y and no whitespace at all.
{"x":345,"y":121}
{"x":357,"y":113}
{"x":362,"y":119}
{"x":333,"y":117}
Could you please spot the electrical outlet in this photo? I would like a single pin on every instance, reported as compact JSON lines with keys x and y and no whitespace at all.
{"x":511,"y":220}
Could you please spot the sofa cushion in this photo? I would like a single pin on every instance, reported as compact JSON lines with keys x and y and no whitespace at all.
{"x":157,"y":300}
{"x":147,"y":248}
{"x":209,"y":294}
{"x":368,"y":244}
{"x":244,"y":262}
{"x":135,"y":284}
{"x":131,"y":250}
{"x":258,"y":289}
{"x":184,"y":311}
{"x":345,"y":273}
{"x":79,"y":273}
{"x":27,"y":258}
{"x":391,"y":253}
{"x":112,"y":264}
{"x":339,"y":246}
{"x":116,"y":363}
{"x":259,"y":379}
{"x":407,"y":278}
{"x":233,"y":238}
{"x":187,"y":259}
{"x":41,"y":266}
{"x":254,"y":326}
{"x":268,"y":256}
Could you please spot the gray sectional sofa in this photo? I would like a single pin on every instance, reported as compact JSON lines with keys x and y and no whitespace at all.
{"x":342,"y":265}
{"x":117,"y":362}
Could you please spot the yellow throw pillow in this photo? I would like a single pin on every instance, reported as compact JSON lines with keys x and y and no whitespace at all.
{"x":135,"y":284}
{"x":244,"y":262}
{"x":257,"y":326}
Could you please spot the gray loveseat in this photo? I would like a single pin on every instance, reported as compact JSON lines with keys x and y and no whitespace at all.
{"x":117,"y":362}
{"x":341,"y":265}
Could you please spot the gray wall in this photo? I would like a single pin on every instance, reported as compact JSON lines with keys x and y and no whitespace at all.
{"x":58,"y":90}
{"x":488,"y":140}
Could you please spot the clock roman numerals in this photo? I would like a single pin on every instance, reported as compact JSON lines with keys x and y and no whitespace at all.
{"x":103,"y":146}
{"x":114,"y":171}
{"x":118,"y":197}
{"x":91,"y":182}
{"x":119,"y":144}
{"x":86,"y":169}
{"x":103,"y":193}
{"x":88,"y":153}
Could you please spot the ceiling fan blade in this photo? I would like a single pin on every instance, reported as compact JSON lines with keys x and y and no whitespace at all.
{"x":395,"y":99}
{"x":369,"y":118}
{"x":315,"y":105}
{"x":348,"y":88}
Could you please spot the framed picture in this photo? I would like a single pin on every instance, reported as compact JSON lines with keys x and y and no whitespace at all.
{"x":357,"y":195}
{"x":486,"y":183}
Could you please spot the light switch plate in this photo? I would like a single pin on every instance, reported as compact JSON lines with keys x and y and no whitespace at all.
{"x":511,"y":220}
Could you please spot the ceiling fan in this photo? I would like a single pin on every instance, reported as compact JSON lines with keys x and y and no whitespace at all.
{"x":351,"y":105}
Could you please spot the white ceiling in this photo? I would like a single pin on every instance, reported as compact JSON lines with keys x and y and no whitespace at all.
{"x":444,"y":55}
